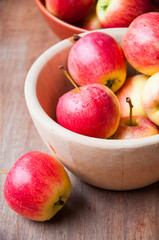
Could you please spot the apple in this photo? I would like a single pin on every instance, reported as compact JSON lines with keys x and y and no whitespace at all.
{"x":91,"y":110}
{"x":97,"y":58}
{"x":141,"y":43}
{"x":133,"y":127}
{"x":142,"y":127}
{"x":37,"y":186}
{"x":150,"y":98}
{"x":70,"y":11}
{"x":133,"y":88}
{"x":90,"y":21}
{"x":120,"y":13}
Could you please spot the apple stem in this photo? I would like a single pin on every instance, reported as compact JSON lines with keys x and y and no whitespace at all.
{"x":128,"y":100}
{"x":60,"y":202}
{"x":76,"y":37}
{"x":69,"y":77}
{"x":103,"y":7}
{"x":4,"y":172}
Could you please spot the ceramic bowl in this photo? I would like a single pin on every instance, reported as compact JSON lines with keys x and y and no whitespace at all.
{"x":105,"y":163}
{"x":60,"y":28}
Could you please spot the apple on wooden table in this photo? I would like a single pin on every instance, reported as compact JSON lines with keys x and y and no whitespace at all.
{"x":97,"y":58}
{"x":37,"y":186}
{"x":70,"y":11}
{"x":141,"y":43}
{"x":120,"y":13}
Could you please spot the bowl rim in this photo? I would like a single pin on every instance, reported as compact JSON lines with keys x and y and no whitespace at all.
{"x":35,"y":108}
{"x":58,"y":20}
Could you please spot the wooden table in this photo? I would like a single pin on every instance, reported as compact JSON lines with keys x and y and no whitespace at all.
{"x":90,"y":213}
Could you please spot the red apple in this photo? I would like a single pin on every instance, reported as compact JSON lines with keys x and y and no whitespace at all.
{"x":141,"y":43}
{"x":133,"y":88}
{"x":97,"y":58}
{"x":120,"y":13}
{"x":133,"y":127}
{"x":93,"y":110}
{"x":37,"y":186}
{"x":70,"y":11}
{"x":142,"y":127}
{"x":91,"y":21}
{"x":150,"y":98}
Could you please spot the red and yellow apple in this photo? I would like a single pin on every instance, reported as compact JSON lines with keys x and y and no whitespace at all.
{"x":132,"y":88}
{"x":150,"y":98}
{"x":97,"y":58}
{"x":132,"y":127}
{"x":120,"y":13}
{"x":70,"y":11}
{"x":141,"y":43}
{"x":37,"y":186}
{"x":92,"y":110}
{"x":142,"y":127}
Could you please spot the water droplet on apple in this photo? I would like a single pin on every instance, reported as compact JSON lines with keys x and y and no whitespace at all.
{"x":84,"y":105}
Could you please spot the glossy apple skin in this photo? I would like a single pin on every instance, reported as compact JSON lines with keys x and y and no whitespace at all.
{"x":150,"y":98}
{"x":70,"y":11}
{"x":141,"y":43}
{"x":35,"y":184}
{"x":97,"y":58}
{"x":132,"y":88}
{"x":120,"y":13}
{"x":144,"y":128}
{"x":93,"y":111}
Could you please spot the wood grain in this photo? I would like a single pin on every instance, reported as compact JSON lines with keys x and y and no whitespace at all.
{"x":90,"y":213}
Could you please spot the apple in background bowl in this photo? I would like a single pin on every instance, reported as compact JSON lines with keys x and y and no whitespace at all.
{"x":120,"y":13}
{"x":141,"y":43}
{"x":70,"y":11}
{"x":91,"y":21}
{"x":105,"y":163}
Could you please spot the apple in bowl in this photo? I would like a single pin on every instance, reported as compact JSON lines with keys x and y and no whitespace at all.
{"x":92,"y":110}
{"x":133,"y":88}
{"x":97,"y":58}
{"x":70,"y":11}
{"x":141,"y":43}
{"x":133,"y":126}
{"x":120,"y":13}
{"x":150,"y":98}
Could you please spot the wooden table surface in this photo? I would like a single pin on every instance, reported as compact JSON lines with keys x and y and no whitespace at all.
{"x":90,"y":213}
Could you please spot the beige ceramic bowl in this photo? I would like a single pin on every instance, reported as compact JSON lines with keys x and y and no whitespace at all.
{"x":109,"y":164}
